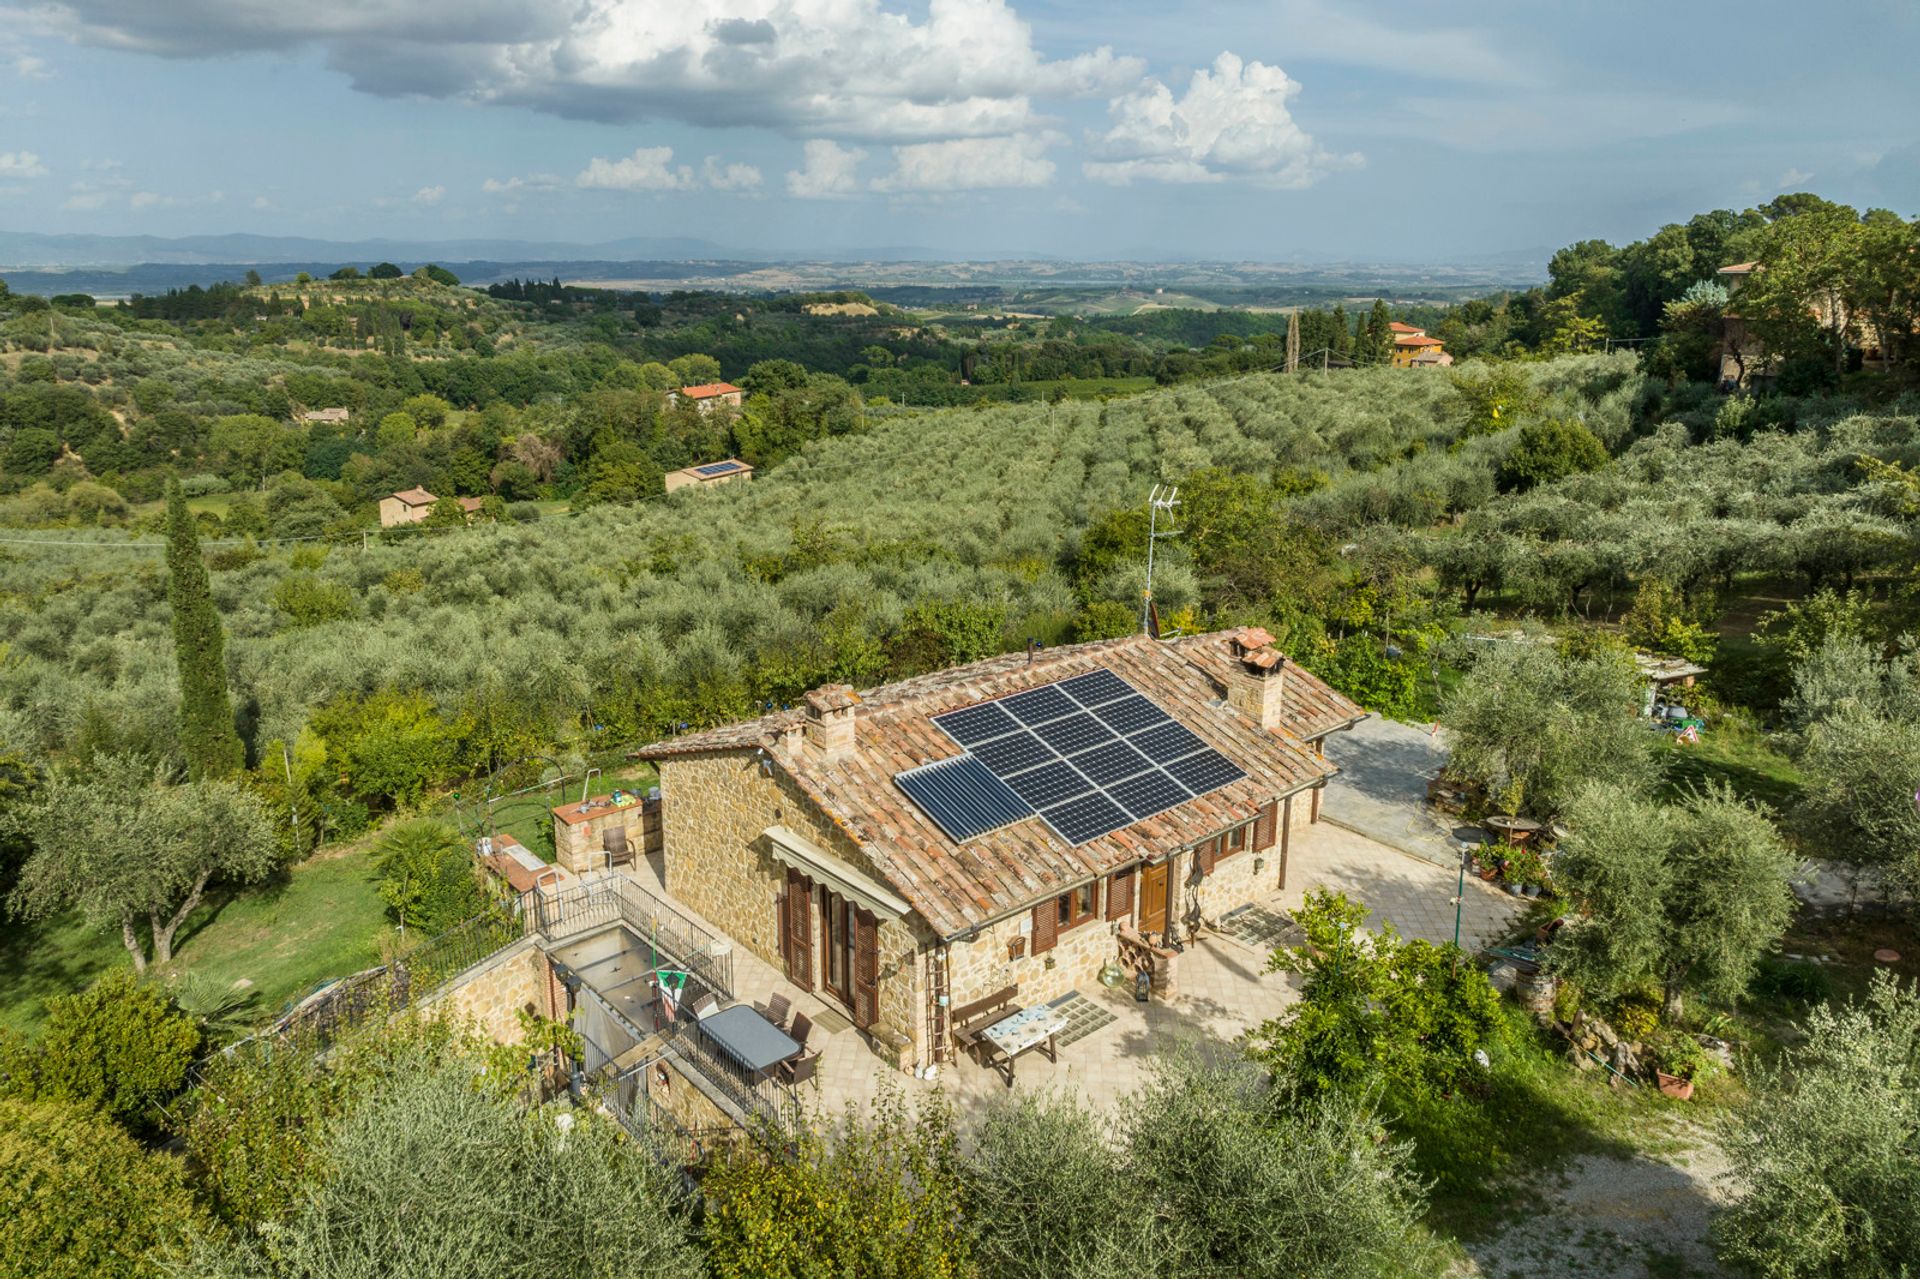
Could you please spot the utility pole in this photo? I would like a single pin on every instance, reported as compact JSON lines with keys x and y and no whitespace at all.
{"x":1293,"y":342}
{"x":1163,"y":498}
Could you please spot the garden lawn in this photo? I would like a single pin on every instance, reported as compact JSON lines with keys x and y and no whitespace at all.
{"x":1739,"y":755}
{"x":318,"y":921}
{"x":529,"y":817}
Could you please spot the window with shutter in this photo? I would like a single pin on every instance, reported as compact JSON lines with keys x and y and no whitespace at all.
{"x":1204,"y":855}
{"x":1120,"y":894}
{"x":1046,"y":922}
{"x":799,"y":929}
{"x":1263,"y":828}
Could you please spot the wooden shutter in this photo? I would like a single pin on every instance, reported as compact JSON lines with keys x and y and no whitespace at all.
{"x":798,"y":913}
{"x":1204,"y":855}
{"x":866,"y":969}
{"x":1120,"y":894}
{"x":1046,"y":925}
{"x":1263,"y":827}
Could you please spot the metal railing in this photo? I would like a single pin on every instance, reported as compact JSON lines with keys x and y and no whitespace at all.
{"x":706,"y":957}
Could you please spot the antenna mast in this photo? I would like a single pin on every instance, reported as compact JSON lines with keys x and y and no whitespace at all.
{"x":1163,"y":498}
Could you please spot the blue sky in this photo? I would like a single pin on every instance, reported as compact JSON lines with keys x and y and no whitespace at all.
{"x":974,"y":127}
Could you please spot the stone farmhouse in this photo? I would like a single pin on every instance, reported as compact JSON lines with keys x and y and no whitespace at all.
{"x":1031,"y":821}
{"x":1415,"y":348}
{"x":410,"y":506}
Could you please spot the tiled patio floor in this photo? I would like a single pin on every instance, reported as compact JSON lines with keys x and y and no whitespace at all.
{"x":1223,"y":985}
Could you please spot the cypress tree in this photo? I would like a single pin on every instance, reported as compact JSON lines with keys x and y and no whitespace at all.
{"x":1342,"y":331}
{"x":207,"y":735}
{"x":1380,"y":331}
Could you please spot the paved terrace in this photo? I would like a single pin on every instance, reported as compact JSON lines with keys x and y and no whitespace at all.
{"x":1223,"y":987}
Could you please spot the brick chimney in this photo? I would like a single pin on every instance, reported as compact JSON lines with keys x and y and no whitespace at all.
{"x":829,"y":723}
{"x":1258,"y":689}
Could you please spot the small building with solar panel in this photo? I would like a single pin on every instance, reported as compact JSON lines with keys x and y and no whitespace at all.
{"x":1016,"y":825}
{"x":709,"y":473}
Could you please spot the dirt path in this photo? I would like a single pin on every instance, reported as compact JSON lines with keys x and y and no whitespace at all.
{"x":1608,"y":1218}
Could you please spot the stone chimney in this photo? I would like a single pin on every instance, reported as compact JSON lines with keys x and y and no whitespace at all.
{"x":1258,"y":688}
{"x":829,"y":723}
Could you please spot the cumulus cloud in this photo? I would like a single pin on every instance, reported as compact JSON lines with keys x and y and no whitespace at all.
{"x":828,"y":171}
{"x":647,"y":169}
{"x":722,"y":176}
{"x":849,"y":69}
{"x":531,"y":182}
{"x":1232,"y":122}
{"x":972,"y":164}
{"x":430,"y":195}
{"x":21,"y":164}
{"x":1793,"y":178}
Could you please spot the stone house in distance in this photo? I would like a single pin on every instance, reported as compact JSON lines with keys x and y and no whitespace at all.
{"x":1027,"y":821}
{"x":410,"y":506}
{"x":708,"y":474}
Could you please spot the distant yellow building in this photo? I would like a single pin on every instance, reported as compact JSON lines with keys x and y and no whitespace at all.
{"x":1417,"y":349}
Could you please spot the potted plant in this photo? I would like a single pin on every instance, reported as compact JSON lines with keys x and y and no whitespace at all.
{"x":1678,"y":1059}
{"x":1526,"y":871}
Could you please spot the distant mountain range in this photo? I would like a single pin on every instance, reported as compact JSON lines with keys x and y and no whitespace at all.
{"x":32,"y":250}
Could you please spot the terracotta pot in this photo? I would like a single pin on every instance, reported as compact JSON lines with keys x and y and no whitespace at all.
{"x":1675,"y":1087}
{"x":1489,"y":873}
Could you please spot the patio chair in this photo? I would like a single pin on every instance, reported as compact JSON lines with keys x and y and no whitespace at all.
{"x":799,"y":1070}
{"x":802,"y":1027}
{"x":777,"y":1009}
{"x":613,"y":841}
{"x":705,"y":1006}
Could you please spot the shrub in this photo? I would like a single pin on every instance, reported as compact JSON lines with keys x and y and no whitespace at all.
{"x":121,"y":1046}
{"x":427,"y":875}
{"x":1791,"y":980}
{"x":81,"y":1200}
{"x":306,"y":599}
{"x":391,"y":745}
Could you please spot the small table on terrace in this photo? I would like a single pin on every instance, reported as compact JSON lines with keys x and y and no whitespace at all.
{"x":1025,"y":1030}
{"x":749,"y":1038}
{"x":1514,"y":830}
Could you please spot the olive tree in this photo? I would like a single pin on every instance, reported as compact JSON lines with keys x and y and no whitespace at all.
{"x":1828,"y":1152}
{"x":1535,"y":723}
{"x":121,"y":846}
{"x":1685,"y":897}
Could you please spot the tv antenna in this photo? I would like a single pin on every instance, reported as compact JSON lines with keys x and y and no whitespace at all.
{"x":1163,"y":498}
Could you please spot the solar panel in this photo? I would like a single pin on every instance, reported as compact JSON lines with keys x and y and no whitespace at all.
{"x":1085,"y":818}
{"x":1089,"y":754}
{"x":1204,"y":772}
{"x":716,"y":468}
{"x":1168,"y":742}
{"x":976,"y":723}
{"x":962,"y":797}
{"x":1130,"y":714}
{"x":1095,"y":687}
{"x":1010,"y":754}
{"x":1038,"y":705}
{"x":1075,"y":733}
{"x":1105,"y":765}
{"x":1149,"y":793}
{"x":1049,"y":784}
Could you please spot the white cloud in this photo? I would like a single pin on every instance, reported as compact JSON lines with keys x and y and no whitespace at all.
{"x":531,"y":182}
{"x":972,"y":164}
{"x":849,"y":69}
{"x":1233,"y":122}
{"x":21,"y":164}
{"x":86,"y":201}
{"x":430,"y":195}
{"x":647,"y":169}
{"x":725,"y":176}
{"x":263,"y":205}
{"x":151,"y":200}
{"x":1794,"y":178}
{"x":829,"y":171}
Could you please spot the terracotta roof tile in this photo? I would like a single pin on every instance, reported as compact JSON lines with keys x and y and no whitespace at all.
{"x":959,"y":886}
{"x":707,"y":390}
{"x":1416,"y":339}
{"x":416,"y":496}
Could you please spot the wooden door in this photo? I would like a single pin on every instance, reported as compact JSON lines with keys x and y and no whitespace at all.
{"x":836,"y":937}
{"x":1153,"y":898}
{"x":797,"y":920}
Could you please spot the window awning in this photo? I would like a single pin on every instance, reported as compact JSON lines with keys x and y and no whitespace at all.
{"x":817,"y":864}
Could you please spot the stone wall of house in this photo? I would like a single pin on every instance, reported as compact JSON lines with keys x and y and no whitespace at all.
{"x":493,"y":992}
{"x":982,"y":967}
{"x":716,"y":808}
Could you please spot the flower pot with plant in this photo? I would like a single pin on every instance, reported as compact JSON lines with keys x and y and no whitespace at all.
{"x":1526,"y":869}
{"x":1678,"y":1060}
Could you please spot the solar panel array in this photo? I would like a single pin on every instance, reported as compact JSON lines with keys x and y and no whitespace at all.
{"x":1089,"y":755}
{"x":716,"y":468}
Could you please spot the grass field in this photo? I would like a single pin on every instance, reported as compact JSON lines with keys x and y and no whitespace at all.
{"x":1738,"y":754}
{"x":529,"y":818}
{"x":322,"y":919}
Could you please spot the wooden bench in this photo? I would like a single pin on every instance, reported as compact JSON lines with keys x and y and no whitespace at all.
{"x":969,"y":1020}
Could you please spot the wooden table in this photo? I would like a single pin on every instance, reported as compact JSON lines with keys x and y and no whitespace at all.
{"x":1024,"y":1031}
{"x":1515,"y":830}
